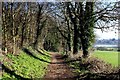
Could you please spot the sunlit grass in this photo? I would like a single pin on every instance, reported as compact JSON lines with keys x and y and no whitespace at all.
{"x":27,"y":66}
{"x":108,"y":56}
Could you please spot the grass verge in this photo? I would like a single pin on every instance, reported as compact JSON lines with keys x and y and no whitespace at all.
{"x":26,"y":65}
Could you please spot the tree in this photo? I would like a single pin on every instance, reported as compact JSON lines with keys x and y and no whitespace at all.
{"x":71,"y":23}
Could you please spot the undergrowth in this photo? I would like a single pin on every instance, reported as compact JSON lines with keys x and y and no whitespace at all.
{"x":94,"y":69}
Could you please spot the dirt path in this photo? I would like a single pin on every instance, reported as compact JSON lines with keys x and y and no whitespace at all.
{"x":59,"y":71}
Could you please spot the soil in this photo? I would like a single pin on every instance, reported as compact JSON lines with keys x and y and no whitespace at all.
{"x":58,"y":70}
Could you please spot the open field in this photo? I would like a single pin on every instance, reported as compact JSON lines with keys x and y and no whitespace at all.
{"x":108,"y":56}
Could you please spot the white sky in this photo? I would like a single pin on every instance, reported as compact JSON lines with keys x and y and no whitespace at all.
{"x":106,"y":35}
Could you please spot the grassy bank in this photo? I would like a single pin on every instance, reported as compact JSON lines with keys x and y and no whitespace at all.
{"x":108,"y":56}
{"x":29,"y":64}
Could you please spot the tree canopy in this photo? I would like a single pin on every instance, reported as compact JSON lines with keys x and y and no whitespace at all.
{"x":55,"y":26}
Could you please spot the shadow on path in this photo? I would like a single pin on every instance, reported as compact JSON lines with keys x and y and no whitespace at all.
{"x":42,"y":53}
{"x":61,"y":57}
{"x":58,"y":57}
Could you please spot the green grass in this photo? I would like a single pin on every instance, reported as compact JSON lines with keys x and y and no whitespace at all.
{"x":108,"y":56}
{"x":27,"y":66}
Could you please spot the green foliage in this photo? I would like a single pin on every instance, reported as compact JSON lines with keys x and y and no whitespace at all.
{"x":52,"y":40}
{"x":75,"y":65}
{"x":62,"y":52}
{"x":106,"y":49}
{"x":108,"y":56}
{"x":27,"y":66}
{"x":7,"y":76}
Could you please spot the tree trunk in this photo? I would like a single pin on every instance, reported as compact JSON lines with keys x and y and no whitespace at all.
{"x":69,"y":42}
{"x":22,"y":36}
{"x":85,"y":48}
{"x":69,"y":35}
{"x":39,"y":28}
{"x":76,"y":40}
{"x":76,"y":32}
{"x":3,"y":28}
{"x":14,"y":30}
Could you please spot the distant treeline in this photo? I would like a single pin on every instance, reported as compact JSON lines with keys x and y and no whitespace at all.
{"x":108,"y":41}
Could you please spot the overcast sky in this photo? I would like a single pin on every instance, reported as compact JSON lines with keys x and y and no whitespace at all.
{"x":106,"y":35}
